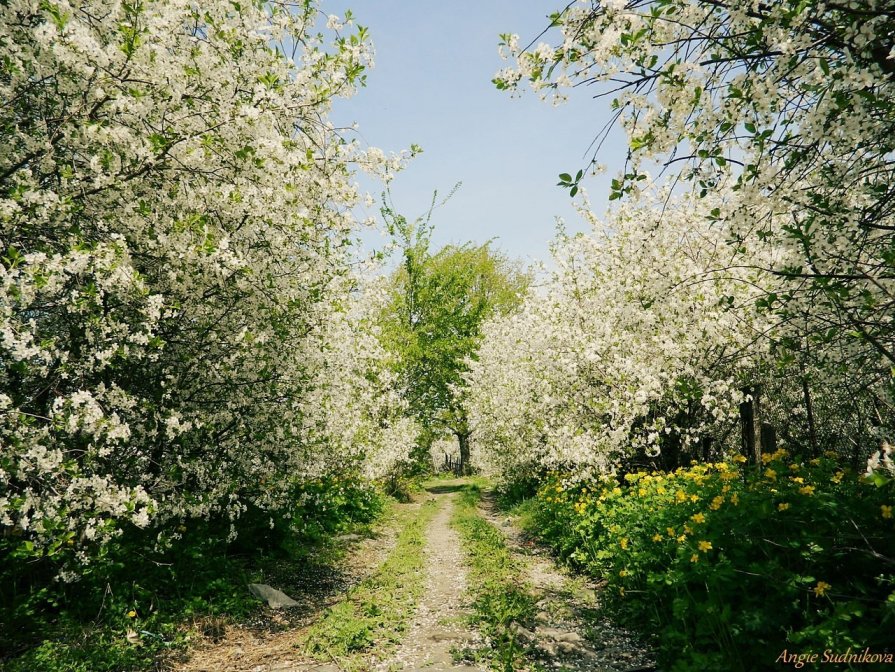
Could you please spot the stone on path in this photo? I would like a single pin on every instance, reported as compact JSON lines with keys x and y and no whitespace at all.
{"x":275,"y":599}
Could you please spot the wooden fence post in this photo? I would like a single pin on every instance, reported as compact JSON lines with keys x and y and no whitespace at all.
{"x":768,"y":438}
{"x":750,"y":424}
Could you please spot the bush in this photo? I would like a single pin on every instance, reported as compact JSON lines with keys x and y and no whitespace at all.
{"x":729,"y":566}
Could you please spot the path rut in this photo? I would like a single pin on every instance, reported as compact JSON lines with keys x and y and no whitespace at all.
{"x":438,"y":627}
{"x":570,"y":632}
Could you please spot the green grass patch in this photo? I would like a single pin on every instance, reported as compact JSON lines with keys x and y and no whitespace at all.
{"x":376,"y":612}
{"x":502,"y":599}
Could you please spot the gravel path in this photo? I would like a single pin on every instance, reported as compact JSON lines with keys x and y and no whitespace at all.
{"x":570,"y":632}
{"x":438,"y":625}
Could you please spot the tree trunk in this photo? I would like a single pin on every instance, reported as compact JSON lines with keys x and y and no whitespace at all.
{"x":809,"y":410}
{"x":706,"y":444}
{"x":750,"y":425}
{"x":768,"y":438}
{"x":463,"y":467}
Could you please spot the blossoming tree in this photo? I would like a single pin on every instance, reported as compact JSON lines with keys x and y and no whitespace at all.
{"x":776,"y":120}
{"x":176,"y":337}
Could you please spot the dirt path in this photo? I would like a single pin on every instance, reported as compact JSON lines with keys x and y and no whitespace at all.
{"x":570,"y":631}
{"x":438,"y":625}
{"x":267,"y":643}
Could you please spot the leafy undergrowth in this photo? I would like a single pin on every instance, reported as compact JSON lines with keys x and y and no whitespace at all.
{"x":135,"y":605}
{"x":502,"y":600}
{"x":375,"y":613}
{"x":729,"y":566}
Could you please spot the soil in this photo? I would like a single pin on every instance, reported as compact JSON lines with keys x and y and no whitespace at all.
{"x":438,"y":626}
{"x":267,"y":642}
{"x":571,"y":632}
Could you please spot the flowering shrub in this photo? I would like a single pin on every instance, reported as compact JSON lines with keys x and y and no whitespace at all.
{"x":180,"y":332}
{"x":184,"y":340}
{"x":728,"y":566}
{"x":637,"y":341}
{"x":787,"y":107}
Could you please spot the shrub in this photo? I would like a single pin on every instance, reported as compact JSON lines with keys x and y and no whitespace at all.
{"x":728,"y":566}
{"x":201,"y":573}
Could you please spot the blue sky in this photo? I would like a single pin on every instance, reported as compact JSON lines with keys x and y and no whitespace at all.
{"x":432,"y":86}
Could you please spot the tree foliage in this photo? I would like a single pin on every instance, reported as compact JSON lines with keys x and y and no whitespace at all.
{"x":433,"y":319}
{"x":176,"y":338}
{"x":772,"y":121}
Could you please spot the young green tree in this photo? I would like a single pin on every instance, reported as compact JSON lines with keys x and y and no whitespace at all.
{"x":432,"y":322}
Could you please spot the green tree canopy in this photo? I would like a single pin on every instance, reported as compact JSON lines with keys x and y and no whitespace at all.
{"x":432,"y":321}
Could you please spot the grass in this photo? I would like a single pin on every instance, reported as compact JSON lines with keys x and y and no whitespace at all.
{"x":376,"y":612}
{"x":502,"y":599}
{"x":167,"y":599}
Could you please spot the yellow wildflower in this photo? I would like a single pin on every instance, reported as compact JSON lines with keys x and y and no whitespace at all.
{"x":886,"y":511}
{"x":705,"y":546}
{"x":821,"y":588}
{"x":735,"y":499}
{"x":797,"y":479}
{"x":729,"y":476}
{"x":132,"y":614}
{"x":680,"y":496}
{"x":681,"y":539}
{"x":694,"y":557}
{"x":624,"y":543}
{"x":726,"y":488}
{"x":694,"y":498}
{"x":739,"y":458}
{"x":814,"y":462}
{"x":770,"y":474}
{"x":716,"y":503}
{"x":688,"y":529}
{"x":782,"y":506}
{"x":698,"y":518}
{"x":670,"y":531}
{"x":657,"y":537}
{"x":623,"y":573}
{"x":806,"y":490}
{"x":793,"y":467}
{"x":837,"y":477}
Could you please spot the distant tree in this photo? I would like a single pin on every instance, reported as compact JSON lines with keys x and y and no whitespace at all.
{"x":433,"y":318}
